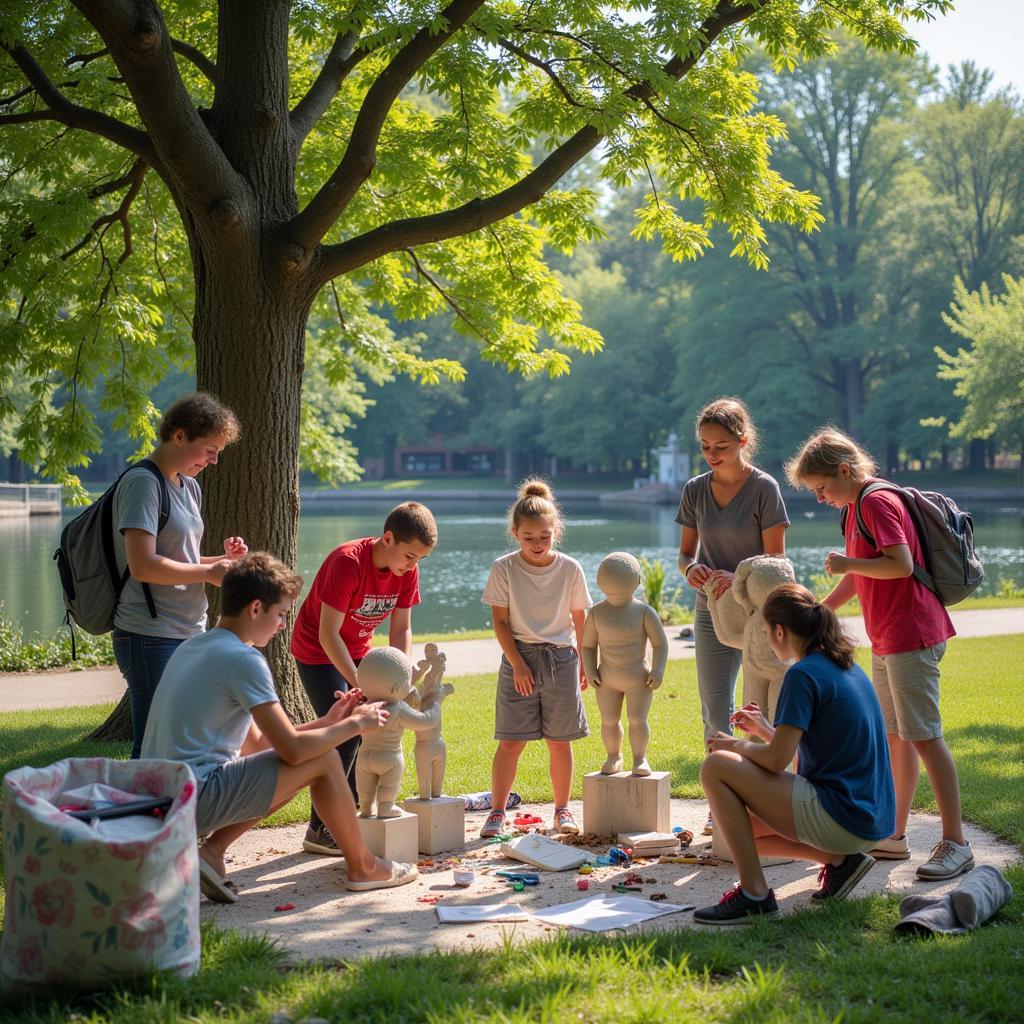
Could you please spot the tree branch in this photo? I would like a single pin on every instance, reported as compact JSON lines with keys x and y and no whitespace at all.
{"x":73,"y":115}
{"x":312,"y":223}
{"x":134,"y":179}
{"x":342,"y":58}
{"x":548,"y":70}
{"x":183,"y":151}
{"x":479,"y":213}
{"x":197,"y":57}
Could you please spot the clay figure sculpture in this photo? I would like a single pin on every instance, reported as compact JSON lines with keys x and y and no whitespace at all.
{"x":614,"y":648}
{"x":386,"y":674}
{"x":430,"y":752}
{"x":739,"y":623}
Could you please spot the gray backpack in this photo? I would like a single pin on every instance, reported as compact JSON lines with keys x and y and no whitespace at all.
{"x":952,"y":568}
{"x":87,"y":562}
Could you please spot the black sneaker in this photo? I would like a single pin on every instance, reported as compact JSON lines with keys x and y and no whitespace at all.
{"x":736,"y":908}
{"x":319,"y":840}
{"x":837,"y":880}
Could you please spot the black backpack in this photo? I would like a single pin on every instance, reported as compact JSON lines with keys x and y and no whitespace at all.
{"x":952,"y":568}
{"x":87,"y":562}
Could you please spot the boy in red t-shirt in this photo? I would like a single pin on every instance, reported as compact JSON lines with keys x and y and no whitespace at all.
{"x":358,"y":586}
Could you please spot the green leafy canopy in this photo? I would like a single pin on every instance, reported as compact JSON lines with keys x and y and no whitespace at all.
{"x":99,"y":239}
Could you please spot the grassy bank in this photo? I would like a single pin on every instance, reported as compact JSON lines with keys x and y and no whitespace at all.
{"x":841,"y":963}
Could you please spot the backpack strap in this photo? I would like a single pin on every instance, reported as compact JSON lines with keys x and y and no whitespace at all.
{"x":922,"y":573}
{"x":163,"y":516}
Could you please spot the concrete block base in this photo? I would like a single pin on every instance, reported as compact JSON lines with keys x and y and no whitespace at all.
{"x":626,"y":803}
{"x":441,"y":821}
{"x":393,"y":838}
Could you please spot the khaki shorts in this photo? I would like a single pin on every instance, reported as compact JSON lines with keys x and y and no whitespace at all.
{"x":554,"y":711}
{"x":235,"y":791}
{"x":817,"y":828}
{"x":907,"y":685}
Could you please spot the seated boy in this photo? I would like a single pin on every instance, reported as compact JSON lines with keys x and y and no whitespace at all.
{"x":217,"y":710}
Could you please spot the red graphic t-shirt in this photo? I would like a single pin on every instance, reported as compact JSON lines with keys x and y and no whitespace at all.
{"x":349,"y":582}
{"x":899,"y":615}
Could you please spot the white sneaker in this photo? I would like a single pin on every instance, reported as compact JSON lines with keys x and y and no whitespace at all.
{"x":948,"y":860}
{"x":892,"y":848}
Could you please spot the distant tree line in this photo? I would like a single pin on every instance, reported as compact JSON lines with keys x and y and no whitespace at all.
{"x":899,"y":319}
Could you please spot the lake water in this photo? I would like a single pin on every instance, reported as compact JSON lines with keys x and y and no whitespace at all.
{"x":471,"y":536}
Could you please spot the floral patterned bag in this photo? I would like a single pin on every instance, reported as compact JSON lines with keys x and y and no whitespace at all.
{"x":89,"y":901}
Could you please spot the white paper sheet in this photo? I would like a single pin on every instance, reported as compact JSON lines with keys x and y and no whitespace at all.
{"x":602,"y":913}
{"x":467,"y":913}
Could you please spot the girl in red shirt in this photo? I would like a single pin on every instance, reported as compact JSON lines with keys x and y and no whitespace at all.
{"x":908,"y":628}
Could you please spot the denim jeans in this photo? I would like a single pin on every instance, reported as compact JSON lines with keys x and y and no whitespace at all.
{"x":717,"y":668}
{"x":142,"y":660}
{"x":320,"y":682}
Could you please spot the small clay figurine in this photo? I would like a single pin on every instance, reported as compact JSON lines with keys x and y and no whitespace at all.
{"x":738,"y":623}
{"x":430,"y":750}
{"x":621,"y":626}
{"x":386,"y":674}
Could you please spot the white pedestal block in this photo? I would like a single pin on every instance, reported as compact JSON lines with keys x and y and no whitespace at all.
{"x":442,"y":822}
{"x":394,"y":838}
{"x":626,"y":803}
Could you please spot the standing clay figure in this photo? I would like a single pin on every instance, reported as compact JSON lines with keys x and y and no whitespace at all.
{"x":739,"y":623}
{"x":430,"y":750}
{"x":621,"y":626}
{"x":386,"y":674}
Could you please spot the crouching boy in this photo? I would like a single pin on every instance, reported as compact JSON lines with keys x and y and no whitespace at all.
{"x":217,"y":710}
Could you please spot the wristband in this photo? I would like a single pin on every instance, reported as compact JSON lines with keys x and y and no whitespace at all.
{"x":686,"y":572}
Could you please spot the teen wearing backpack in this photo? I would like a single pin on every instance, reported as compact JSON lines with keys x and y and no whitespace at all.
{"x":908,"y":627}
{"x":193,"y":433}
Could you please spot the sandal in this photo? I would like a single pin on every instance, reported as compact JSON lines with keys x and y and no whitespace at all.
{"x":400,"y":874}
{"x":213,"y":886}
{"x":493,"y":826}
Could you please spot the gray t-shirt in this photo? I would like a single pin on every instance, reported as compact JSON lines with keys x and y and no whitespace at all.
{"x":180,"y":608}
{"x":730,"y":534}
{"x":201,"y":710}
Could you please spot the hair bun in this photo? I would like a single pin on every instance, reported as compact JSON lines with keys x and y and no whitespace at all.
{"x":533,"y":487}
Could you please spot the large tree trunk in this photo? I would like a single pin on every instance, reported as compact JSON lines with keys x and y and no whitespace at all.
{"x":250,"y":340}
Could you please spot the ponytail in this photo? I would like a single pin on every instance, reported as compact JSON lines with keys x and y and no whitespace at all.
{"x":794,"y":608}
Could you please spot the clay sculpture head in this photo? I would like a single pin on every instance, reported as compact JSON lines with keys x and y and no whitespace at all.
{"x":618,"y":576}
{"x":385,"y":674}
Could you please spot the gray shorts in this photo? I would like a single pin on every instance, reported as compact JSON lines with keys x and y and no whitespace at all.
{"x":235,"y":791}
{"x":817,"y":828}
{"x":907,"y":685}
{"x":554,"y":711}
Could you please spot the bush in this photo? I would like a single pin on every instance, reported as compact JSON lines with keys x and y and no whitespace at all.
{"x":20,"y":655}
{"x":666,"y":605}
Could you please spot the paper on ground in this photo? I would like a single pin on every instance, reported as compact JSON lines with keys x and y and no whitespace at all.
{"x":602,"y":913}
{"x":467,"y":913}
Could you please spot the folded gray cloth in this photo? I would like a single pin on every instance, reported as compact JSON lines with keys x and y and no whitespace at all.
{"x":979,"y":896}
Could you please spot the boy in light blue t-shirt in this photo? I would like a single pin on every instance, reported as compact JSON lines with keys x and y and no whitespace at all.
{"x":217,"y":710}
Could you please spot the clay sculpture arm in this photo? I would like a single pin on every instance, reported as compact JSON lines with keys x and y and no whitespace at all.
{"x":428,"y":718}
{"x":659,"y":648}
{"x":589,"y":649}
{"x":728,"y":615}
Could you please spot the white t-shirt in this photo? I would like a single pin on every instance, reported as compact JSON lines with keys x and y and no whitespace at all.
{"x":539,"y":599}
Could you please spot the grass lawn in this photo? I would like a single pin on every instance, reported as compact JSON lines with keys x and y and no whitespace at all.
{"x":837,"y":963}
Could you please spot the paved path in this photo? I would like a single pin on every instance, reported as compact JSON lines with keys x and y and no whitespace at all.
{"x":27,"y":690}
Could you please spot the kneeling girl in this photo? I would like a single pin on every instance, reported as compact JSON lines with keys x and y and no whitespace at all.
{"x":840,"y":803}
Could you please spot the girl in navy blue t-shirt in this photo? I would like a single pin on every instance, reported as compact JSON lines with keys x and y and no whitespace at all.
{"x":841,"y":800}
